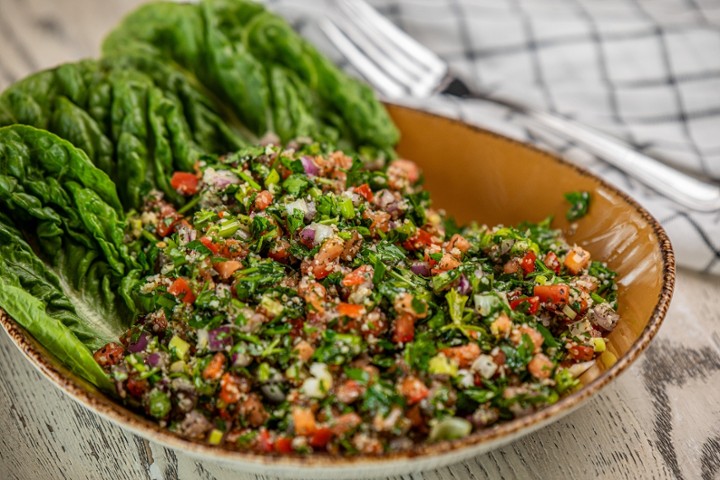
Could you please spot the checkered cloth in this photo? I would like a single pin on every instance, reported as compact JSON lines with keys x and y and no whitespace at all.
{"x":646,"y":71}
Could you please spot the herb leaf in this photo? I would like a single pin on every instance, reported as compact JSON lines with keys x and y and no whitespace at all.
{"x":579,"y":204}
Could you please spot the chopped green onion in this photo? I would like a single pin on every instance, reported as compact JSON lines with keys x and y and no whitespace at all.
{"x":347,"y":210}
{"x":180,"y":346}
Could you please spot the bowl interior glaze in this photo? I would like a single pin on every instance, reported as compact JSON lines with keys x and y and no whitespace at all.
{"x":474,"y":175}
{"x":478,"y":176}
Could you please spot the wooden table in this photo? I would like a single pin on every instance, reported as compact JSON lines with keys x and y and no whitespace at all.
{"x":661,"y":419}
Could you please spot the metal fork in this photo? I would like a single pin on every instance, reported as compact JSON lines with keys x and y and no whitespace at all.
{"x":397,"y":65}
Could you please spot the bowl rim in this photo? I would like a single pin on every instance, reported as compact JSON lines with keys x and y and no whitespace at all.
{"x":105,"y":406}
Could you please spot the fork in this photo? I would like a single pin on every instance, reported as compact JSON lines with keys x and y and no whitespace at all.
{"x":397,"y":65}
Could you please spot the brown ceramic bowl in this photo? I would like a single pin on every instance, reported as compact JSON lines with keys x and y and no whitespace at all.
{"x":474,"y":175}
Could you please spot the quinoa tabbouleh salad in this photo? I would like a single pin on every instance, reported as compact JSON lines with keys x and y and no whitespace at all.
{"x":301,"y":303}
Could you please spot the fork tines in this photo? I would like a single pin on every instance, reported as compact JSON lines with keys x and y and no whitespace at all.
{"x":387,"y":57}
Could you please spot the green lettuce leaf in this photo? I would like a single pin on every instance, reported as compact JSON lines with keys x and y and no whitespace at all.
{"x":252,"y":60}
{"x":65,"y":270}
{"x":52,"y":334}
{"x":135,"y":126}
{"x":79,"y":295}
{"x":54,"y":191}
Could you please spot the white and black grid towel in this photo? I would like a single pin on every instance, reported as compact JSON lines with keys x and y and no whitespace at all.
{"x":646,"y":71}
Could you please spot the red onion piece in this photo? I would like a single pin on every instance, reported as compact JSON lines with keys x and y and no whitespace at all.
{"x":383,"y":197}
{"x":307,"y":237}
{"x":153,"y":359}
{"x":140,"y":345}
{"x":219,"y":178}
{"x":311,"y":211}
{"x":309,"y":165}
{"x":220,"y":338}
{"x":420,"y":268}
{"x":463,"y":285}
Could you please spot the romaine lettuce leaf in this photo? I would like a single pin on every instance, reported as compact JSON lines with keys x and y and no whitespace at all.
{"x":52,"y":334}
{"x":78,"y":291}
{"x":137,"y":127}
{"x":252,"y":60}
{"x":64,"y":266}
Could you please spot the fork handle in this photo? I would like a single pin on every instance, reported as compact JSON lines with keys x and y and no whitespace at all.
{"x":686,"y":190}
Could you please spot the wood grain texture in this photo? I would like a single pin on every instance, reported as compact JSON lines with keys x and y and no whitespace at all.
{"x":661,"y":419}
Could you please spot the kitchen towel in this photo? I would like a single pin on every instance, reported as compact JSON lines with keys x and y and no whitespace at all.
{"x":645,"y":71}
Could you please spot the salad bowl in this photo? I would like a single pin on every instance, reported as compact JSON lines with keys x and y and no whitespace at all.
{"x":475,"y":175}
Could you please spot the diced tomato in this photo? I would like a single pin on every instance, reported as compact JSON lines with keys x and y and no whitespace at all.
{"x":280,"y":251}
{"x":581,"y":353}
{"x":380,"y":220}
{"x":576,"y":260}
{"x":533,"y":302}
{"x":582,"y":307}
{"x":168,"y":219}
{"x":207,"y":241}
{"x":229,"y":388}
{"x":557,"y":294}
{"x":358,"y":276}
{"x":350,"y":310}
{"x":415,"y":416}
{"x":263,"y":200}
{"x":349,"y":391}
{"x":499,"y":358}
{"x":540,"y":366}
{"x":528,"y":262}
{"x":420,"y":240}
{"x":137,"y":386}
{"x":321,"y":437}
{"x":375,"y":326}
{"x":281,"y":256}
{"x":365,"y":191}
{"x":447,"y":262}
{"x":324,"y":263}
{"x":314,"y":294}
{"x":413,"y":389}
{"x":464,"y":355}
{"x":535,"y":337}
{"x":165,"y":227}
{"x":297,"y":327}
{"x":232,"y":248}
{"x":511,"y":266}
{"x":184,"y":183}
{"x":181,"y":289}
{"x":502,"y":325}
{"x":303,"y":350}
{"x":345,"y":423}
{"x":551,"y":261}
{"x":304,"y":421}
{"x":430,"y":261}
{"x":264,"y":441}
{"x":226,"y":269}
{"x":109,"y":354}
{"x":459,"y":242}
{"x":283,"y":445}
{"x":226,"y":414}
{"x":404,"y":329}
{"x":322,"y":271}
{"x":215,"y":367}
